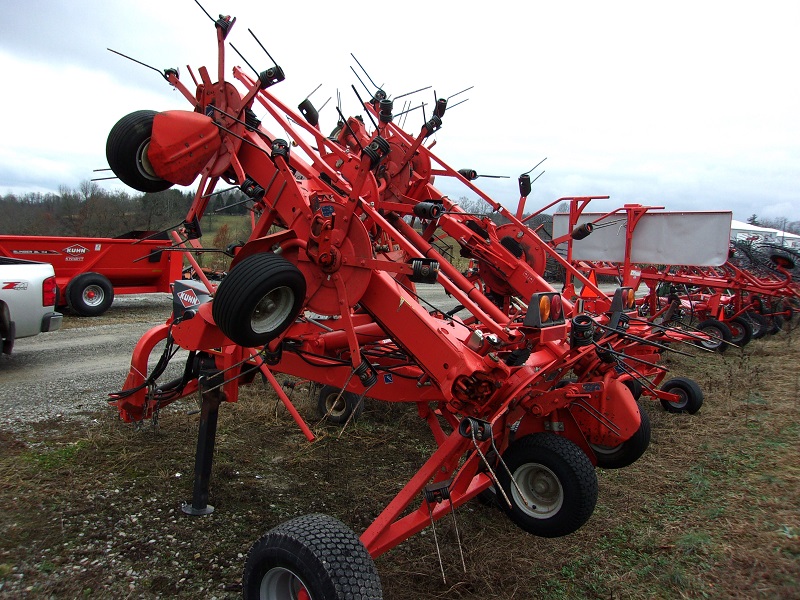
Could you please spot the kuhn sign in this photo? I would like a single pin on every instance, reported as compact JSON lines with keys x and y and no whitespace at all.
{"x":76,"y":250}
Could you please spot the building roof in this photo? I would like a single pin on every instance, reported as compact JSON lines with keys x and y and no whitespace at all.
{"x":742,"y":226}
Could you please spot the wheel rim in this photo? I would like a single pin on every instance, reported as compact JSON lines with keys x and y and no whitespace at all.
{"x":716,"y":338}
{"x":683,"y":398}
{"x":272,"y":310}
{"x":335,"y":405}
{"x":143,"y":162}
{"x":755,"y":325}
{"x":540,"y":488}
{"x":604,"y":450}
{"x":281,"y":584}
{"x":737,"y":332}
{"x":93,"y":295}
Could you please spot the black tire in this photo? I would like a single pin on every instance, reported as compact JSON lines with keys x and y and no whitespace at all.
{"x":315,"y":553}
{"x":337,"y":406}
{"x":259,"y":299}
{"x":557,"y":479}
{"x":629,"y":451}
{"x":775,"y":324}
{"x":126,"y":152}
{"x":691,"y":396}
{"x":741,"y":331}
{"x":719,"y":332}
{"x":758,"y":323}
{"x":89,"y":294}
{"x":635,"y":386}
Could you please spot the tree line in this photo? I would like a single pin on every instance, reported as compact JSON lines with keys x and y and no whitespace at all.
{"x":91,"y":211}
{"x":781,"y":223}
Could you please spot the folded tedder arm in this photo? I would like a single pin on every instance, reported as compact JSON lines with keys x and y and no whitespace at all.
{"x":521,"y":390}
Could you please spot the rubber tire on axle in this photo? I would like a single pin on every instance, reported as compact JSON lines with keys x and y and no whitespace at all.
{"x":718,"y":329}
{"x":126,"y":152}
{"x":548,"y":468}
{"x":690,"y":393}
{"x":89,"y":294}
{"x":741,"y":331}
{"x":775,"y":324}
{"x":338,"y":412}
{"x":259,"y":299}
{"x":635,"y":386}
{"x":629,"y":451}
{"x":314,"y":552}
{"x":758,"y":323}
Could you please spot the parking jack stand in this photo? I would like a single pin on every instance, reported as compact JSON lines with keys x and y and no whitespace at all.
{"x":212,"y":397}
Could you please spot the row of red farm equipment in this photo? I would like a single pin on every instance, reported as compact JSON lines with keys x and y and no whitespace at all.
{"x":526,"y":389}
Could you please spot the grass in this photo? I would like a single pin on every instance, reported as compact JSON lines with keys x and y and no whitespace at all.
{"x":712,"y":510}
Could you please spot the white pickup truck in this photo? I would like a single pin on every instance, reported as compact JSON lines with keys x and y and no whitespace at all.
{"x":27,"y":300}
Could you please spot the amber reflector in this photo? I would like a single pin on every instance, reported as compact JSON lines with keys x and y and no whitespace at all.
{"x":544,"y":308}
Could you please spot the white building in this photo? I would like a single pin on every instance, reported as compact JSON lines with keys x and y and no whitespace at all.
{"x":744,"y":232}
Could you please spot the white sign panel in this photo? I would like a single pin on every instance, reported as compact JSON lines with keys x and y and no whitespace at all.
{"x":660,"y":238}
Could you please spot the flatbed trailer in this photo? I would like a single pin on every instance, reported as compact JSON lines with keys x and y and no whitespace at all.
{"x":90,"y":271}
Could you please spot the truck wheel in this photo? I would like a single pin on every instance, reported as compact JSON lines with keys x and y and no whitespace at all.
{"x":557,"y":483}
{"x":90,"y":294}
{"x":259,"y":299}
{"x":629,"y":451}
{"x":337,"y":406}
{"x":690,"y":396}
{"x":314,"y":556}
{"x":758,"y":323}
{"x":718,"y":332}
{"x":126,"y":152}
{"x":741,"y":331}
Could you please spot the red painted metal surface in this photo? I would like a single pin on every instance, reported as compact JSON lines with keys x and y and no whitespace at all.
{"x":132,"y":264}
{"x":357,"y":214}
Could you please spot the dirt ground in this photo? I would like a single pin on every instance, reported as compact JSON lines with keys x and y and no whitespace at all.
{"x":92,"y":507}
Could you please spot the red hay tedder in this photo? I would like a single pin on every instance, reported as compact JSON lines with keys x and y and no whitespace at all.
{"x":732,"y":293}
{"x":523,"y":391}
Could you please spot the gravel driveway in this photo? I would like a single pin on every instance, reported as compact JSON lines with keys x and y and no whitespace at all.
{"x":65,"y":373}
{"x":70,"y":372}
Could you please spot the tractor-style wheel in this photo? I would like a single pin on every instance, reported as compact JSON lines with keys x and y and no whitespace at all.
{"x":718,"y":332}
{"x":635,"y":386}
{"x":690,"y":396}
{"x":126,"y":152}
{"x":337,"y":406}
{"x":311,"y":557}
{"x":741,"y":331}
{"x":89,"y":294}
{"x":758,"y":323}
{"x":629,"y":451}
{"x":557,"y":485}
{"x":775,"y":324}
{"x":259,"y":299}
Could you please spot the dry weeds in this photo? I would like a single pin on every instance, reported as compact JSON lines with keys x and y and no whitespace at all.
{"x":711,"y":511}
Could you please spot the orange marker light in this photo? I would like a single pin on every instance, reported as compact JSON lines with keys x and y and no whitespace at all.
{"x":544,"y":308}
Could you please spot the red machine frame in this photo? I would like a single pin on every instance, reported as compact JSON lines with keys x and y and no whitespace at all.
{"x":325,"y":289}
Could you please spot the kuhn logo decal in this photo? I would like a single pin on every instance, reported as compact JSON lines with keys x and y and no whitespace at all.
{"x":188,"y":298}
{"x":76,"y":250}
{"x":15,"y":285}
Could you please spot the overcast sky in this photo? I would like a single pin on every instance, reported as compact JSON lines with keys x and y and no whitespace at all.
{"x":686,"y":105}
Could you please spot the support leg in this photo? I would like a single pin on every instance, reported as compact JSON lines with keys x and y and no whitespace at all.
{"x":204,"y":456}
